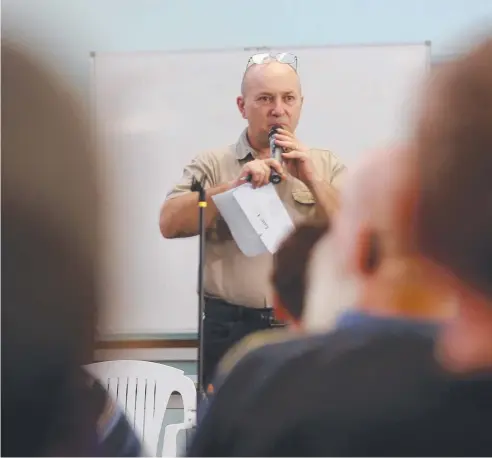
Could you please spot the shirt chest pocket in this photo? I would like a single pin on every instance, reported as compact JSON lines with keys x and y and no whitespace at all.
{"x":302,"y":195}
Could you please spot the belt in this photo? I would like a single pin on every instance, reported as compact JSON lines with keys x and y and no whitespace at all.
{"x":241,"y":313}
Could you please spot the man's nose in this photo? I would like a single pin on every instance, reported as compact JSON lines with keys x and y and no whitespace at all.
{"x":278,"y":107}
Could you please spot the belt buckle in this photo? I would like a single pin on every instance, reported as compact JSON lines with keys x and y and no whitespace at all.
{"x":274,"y":323}
{"x":277,"y":324}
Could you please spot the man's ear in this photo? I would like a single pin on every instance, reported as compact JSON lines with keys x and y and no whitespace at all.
{"x":240,"y":105}
{"x":367,"y":252}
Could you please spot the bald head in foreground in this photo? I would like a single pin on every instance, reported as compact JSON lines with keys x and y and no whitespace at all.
{"x":378,"y":263}
{"x":380,"y":386}
{"x":237,"y":287}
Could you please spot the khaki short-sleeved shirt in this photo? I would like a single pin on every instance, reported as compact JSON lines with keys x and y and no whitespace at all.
{"x":229,"y":274}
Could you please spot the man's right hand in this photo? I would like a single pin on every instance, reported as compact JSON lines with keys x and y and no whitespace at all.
{"x":259,"y":170}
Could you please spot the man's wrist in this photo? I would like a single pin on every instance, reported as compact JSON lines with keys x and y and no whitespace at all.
{"x":219,"y":189}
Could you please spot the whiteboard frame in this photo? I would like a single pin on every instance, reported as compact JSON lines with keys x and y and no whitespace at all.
{"x":185,"y":336}
{"x":94,"y":54}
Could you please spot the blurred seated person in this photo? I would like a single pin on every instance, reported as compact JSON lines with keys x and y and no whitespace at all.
{"x":289,"y":274}
{"x":50,"y":405}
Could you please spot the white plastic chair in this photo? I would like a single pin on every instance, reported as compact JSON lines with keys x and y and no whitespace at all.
{"x":143,"y":389}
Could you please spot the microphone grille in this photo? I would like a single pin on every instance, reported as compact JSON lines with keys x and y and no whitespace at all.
{"x":273,"y":131}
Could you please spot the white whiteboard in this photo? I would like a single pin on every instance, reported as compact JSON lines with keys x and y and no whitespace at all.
{"x":156,"y":110}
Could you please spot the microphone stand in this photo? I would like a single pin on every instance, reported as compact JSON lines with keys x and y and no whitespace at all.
{"x":198,"y":186}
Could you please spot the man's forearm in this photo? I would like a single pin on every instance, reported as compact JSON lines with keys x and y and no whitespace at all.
{"x":179,"y":216}
{"x":327,"y":199}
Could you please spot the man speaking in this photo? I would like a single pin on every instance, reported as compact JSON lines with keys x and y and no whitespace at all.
{"x":237,"y":290}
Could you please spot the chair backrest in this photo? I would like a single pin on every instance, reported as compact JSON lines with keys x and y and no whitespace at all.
{"x":143,"y":390}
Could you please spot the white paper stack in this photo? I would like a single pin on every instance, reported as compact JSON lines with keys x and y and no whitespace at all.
{"x":257,"y":218}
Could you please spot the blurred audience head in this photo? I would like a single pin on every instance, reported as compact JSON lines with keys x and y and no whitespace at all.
{"x":453,"y":152}
{"x":368,"y":260}
{"x":373,"y":233}
{"x":289,"y":274}
{"x":49,"y":295}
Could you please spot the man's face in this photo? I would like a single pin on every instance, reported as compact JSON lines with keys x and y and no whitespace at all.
{"x":272,"y":96}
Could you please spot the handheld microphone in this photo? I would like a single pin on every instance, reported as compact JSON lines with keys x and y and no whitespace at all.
{"x":276,"y":151}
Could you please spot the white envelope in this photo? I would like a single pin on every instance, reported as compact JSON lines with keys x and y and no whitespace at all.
{"x":257,"y":218}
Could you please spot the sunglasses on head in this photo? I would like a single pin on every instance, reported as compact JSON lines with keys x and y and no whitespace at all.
{"x":282,"y":57}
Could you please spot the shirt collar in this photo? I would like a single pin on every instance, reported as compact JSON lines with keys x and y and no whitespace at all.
{"x":243,"y":148}
{"x":355,"y":318}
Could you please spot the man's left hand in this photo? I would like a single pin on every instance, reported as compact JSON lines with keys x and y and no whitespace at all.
{"x":296,"y":160}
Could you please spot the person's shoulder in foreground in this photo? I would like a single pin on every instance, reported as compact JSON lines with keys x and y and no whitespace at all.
{"x":259,"y":354}
{"x":243,"y":374}
{"x":349,"y":394}
{"x":248,"y":345}
{"x":257,"y":350}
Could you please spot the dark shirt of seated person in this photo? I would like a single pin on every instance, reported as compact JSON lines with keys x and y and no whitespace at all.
{"x":398,"y":391}
{"x":383,"y":395}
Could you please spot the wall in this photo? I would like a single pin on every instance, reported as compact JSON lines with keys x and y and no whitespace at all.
{"x":68,"y":30}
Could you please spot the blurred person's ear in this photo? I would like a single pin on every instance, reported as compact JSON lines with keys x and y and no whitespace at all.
{"x":367,"y":253}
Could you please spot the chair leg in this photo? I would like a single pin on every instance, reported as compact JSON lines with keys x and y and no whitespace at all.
{"x":171,"y":438}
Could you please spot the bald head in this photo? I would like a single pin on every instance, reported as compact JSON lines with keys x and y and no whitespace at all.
{"x":369,"y":194}
{"x":271,"y":95}
{"x":378,"y":197}
{"x":374,"y":231}
{"x":368,"y":260}
{"x":271,"y":74}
